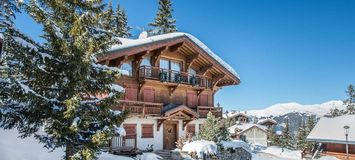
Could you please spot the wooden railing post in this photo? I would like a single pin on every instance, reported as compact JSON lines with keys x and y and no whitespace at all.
{"x":144,"y":110}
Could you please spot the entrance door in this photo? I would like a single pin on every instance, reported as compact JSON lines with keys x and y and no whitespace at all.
{"x":170,"y":135}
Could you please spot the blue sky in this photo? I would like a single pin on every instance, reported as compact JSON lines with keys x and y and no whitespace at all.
{"x":285,"y":51}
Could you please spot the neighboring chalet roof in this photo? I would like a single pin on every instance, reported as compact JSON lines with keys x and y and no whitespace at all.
{"x":170,"y":39}
{"x":331,"y":130}
{"x":267,"y":120}
{"x":236,"y":114}
{"x":245,"y":127}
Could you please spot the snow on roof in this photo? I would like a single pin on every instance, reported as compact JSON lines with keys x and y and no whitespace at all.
{"x":235,"y":114}
{"x":200,"y":147}
{"x":267,"y":120}
{"x":246,"y":126}
{"x":129,"y":43}
{"x":321,"y":132}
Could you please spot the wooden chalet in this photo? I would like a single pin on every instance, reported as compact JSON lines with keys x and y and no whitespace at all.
{"x":329,"y":133}
{"x":169,"y":89}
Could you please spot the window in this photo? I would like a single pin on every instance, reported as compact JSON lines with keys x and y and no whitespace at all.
{"x":147,"y":131}
{"x":170,"y":65}
{"x":146,"y":62}
{"x":127,"y":66}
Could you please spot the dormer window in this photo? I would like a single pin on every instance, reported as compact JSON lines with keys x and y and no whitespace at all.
{"x":127,"y":66}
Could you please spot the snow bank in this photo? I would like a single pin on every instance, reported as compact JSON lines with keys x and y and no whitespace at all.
{"x":149,"y":156}
{"x":200,"y":147}
{"x":234,"y":144}
{"x":14,"y":148}
{"x":286,"y":153}
{"x":328,"y":158}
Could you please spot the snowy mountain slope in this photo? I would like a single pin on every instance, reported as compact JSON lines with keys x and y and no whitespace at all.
{"x":284,"y":108}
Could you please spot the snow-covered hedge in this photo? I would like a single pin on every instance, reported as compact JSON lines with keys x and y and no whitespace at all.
{"x":200,"y":147}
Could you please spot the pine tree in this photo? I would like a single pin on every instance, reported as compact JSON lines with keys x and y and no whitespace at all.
{"x":273,"y":138}
{"x":164,"y":21}
{"x":350,"y":101}
{"x":335,"y":112}
{"x":210,"y":129}
{"x":120,"y":26}
{"x":301,"y":137}
{"x":311,"y":122}
{"x":286,"y":137}
{"x":57,"y":85}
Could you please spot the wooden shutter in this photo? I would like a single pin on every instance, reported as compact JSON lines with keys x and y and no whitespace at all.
{"x":131,"y":93}
{"x":191,"y":99}
{"x":148,"y":95}
{"x":203,"y":100}
{"x":190,"y":128}
{"x":147,"y":131}
{"x":130,"y":129}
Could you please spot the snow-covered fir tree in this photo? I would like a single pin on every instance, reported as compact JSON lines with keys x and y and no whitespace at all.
{"x":311,"y":122}
{"x":273,"y":138}
{"x":164,"y":21}
{"x":56,"y":86}
{"x":211,"y":129}
{"x":286,"y":139}
{"x":120,"y":24}
{"x":301,"y":137}
{"x":350,"y":101}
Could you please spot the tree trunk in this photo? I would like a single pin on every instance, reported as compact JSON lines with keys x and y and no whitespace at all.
{"x":69,"y":150}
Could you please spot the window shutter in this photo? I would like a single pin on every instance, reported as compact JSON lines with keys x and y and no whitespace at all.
{"x":191,"y":99}
{"x":130,"y":129}
{"x":131,"y":93}
{"x":148,"y":95}
{"x":147,"y":131}
{"x":190,"y":128}
{"x":203,"y":100}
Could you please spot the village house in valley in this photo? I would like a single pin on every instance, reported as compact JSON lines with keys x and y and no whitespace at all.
{"x":170,"y":87}
{"x":329,"y":133}
{"x":254,"y":132}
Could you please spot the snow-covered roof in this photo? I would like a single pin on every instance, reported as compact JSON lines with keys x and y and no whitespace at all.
{"x":130,"y":43}
{"x":235,"y":114}
{"x":261,"y":121}
{"x":246,"y":126}
{"x":331,"y":130}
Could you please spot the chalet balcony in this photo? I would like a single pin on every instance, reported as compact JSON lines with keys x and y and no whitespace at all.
{"x":202,"y":111}
{"x":139,"y":108}
{"x":174,"y":77}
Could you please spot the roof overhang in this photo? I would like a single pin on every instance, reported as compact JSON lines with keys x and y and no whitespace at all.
{"x":129,"y":47}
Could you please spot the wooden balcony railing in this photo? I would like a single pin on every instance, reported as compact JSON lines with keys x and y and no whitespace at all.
{"x":166,"y":75}
{"x":140,"y":108}
{"x":202,"y":111}
{"x":121,"y":143}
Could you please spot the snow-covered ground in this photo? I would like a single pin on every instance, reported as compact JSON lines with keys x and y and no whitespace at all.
{"x":14,"y":148}
{"x":284,"y":108}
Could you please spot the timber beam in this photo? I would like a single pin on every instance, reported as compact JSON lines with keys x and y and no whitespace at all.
{"x":190,"y":60}
{"x":216,"y":79}
{"x":138,"y":59}
{"x":176,"y":47}
{"x":204,"y":69}
{"x":157,"y":54}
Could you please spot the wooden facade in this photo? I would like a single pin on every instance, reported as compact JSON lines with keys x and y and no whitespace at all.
{"x":169,"y":80}
{"x":339,"y":150}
